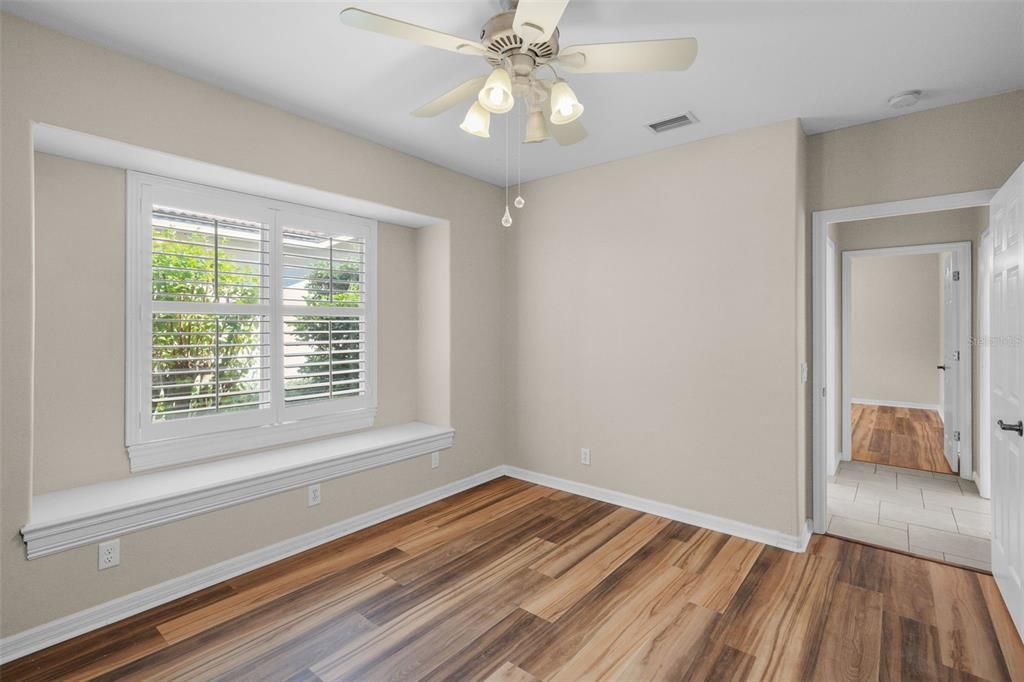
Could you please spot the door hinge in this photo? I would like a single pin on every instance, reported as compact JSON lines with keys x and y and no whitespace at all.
{"x":956,"y":355}
{"x":824,"y":392}
{"x":956,"y":275}
{"x":956,"y":436}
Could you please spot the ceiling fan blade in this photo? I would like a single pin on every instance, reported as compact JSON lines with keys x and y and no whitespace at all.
{"x":368,"y":21}
{"x":566,"y":134}
{"x":675,"y":54}
{"x":460,"y":93}
{"x":536,"y":20}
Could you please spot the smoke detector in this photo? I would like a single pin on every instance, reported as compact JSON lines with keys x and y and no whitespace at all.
{"x":905,"y":99}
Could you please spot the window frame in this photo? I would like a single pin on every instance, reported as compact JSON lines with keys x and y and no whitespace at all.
{"x":153,"y":444}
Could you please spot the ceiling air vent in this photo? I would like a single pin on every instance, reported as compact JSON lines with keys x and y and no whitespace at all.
{"x":670,"y":123}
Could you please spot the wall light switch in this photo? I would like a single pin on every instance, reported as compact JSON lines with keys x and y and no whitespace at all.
{"x":435,"y":460}
{"x":314,"y":494}
{"x":110,"y":554}
{"x":803,"y":372}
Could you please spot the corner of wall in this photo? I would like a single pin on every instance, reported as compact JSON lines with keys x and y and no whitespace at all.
{"x":803,"y":302}
{"x":433,"y":324}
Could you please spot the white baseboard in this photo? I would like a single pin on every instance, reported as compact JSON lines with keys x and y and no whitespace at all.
{"x":768,"y":536}
{"x":834,"y":461}
{"x":48,"y":634}
{"x":898,"y":403}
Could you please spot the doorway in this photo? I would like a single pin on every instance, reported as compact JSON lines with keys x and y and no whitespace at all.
{"x":931,"y":509}
{"x":906,"y":370}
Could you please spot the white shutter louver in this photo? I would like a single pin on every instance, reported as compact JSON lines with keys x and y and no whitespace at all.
{"x":324,"y":323}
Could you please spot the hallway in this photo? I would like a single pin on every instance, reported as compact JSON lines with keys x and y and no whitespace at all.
{"x":898,"y":436}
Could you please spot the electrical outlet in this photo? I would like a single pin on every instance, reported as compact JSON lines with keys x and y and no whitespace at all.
{"x":585,"y":456}
{"x":435,"y":460}
{"x":313,"y":492}
{"x":803,"y":372}
{"x":110,"y":554}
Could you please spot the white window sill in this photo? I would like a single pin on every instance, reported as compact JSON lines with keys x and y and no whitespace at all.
{"x":176,"y":451}
{"x":81,"y":516}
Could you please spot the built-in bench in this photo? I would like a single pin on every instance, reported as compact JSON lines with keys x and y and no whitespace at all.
{"x":80,"y":516}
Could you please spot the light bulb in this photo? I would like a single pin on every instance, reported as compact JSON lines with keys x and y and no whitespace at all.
{"x":496,"y":95}
{"x":565,"y":107}
{"x":506,"y":219}
{"x":519,"y":202}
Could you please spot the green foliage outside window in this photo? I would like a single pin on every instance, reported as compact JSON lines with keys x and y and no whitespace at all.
{"x":186,"y":346}
{"x":194,"y":352}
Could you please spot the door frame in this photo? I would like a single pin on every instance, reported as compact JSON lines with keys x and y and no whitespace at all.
{"x":833,"y":454}
{"x":820,"y":220}
{"x":963,"y":254}
{"x":984,"y":284}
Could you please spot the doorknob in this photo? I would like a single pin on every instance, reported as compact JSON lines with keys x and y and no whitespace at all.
{"x":1018,"y":427}
{"x":940,"y":367}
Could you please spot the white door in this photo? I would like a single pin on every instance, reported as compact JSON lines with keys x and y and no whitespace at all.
{"x":1006,"y":221}
{"x":950,"y":361}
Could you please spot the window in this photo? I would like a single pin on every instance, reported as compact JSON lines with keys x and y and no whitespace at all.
{"x":250,"y":322}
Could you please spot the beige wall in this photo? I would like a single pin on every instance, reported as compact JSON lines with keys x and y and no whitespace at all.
{"x":51,"y":78}
{"x":937,"y":227}
{"x":895,"y":328}
{"x":653,"y":311}
{"x":959,"y":148}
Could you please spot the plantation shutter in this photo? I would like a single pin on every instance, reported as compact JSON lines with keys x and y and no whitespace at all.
{"x":244,"y":312}
{"x":210,"y":314}
{"x":323,"y":305}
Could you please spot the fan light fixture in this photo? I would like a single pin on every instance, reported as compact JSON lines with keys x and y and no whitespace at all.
{"x":517,"y":43}
{"x":496,"y":95}
{"x":565,"y":107}
{"x":536,"y":127}
{"x":477,"y":121}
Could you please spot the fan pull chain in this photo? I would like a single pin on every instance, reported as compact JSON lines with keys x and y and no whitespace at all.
{"x":519,"y":202}
{"x":506,"y":219}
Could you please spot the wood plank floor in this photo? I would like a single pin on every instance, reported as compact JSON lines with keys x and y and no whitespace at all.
{"x":898,"y":436}
{"x":513,"y":581}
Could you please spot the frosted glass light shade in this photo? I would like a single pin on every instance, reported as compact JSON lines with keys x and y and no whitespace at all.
{"x":477,"y":121}
{"x":496,"y":95}
{"x":536,"y":127}
{"x":565,"y":107}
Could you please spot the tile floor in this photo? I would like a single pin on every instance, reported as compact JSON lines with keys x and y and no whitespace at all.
{"x":930,"y":514}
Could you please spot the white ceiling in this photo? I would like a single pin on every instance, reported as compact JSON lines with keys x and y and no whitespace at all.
{"x":830,"y":63}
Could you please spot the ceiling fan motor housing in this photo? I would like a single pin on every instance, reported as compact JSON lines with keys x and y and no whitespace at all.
{"x":502,"y":42}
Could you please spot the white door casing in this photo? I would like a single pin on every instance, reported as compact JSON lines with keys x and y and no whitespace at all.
{"x":951,"y":412}
{"x":984,"y":350}
{"x":1006,"y":222}
{"x":832,"y":409}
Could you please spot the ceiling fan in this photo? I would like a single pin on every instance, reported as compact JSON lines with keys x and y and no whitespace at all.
{"x":518,"y":43}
